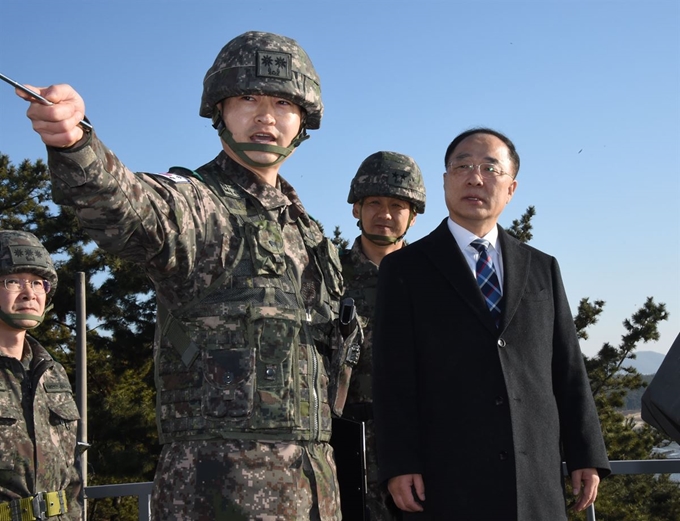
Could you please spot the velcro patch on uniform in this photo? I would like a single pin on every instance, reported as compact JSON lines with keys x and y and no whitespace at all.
{"x":229,"y":191}
{"x":399,"y":179}
{"x":271,"y":64}
{"x":175,"y":178}
{"x":22,"y":255}
{"x":57,"y":387}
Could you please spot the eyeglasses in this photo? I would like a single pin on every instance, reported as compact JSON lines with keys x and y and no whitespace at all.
{"x":486,"y":170}
{"x":16,"y":285}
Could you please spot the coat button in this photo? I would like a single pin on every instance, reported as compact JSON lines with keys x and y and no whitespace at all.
{"x":501,"y":343}
{"x":503,"y":455}
{"x":499,"y":400}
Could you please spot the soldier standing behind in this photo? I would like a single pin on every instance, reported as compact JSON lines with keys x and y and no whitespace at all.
{"x":386,"y":193}
{"x":39,"y":477}
{"x":246,"y":350}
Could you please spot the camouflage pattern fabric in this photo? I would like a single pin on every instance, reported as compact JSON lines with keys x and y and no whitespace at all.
{"x":239,"y":480}
{"x":361,"y":280}
{"x":266,"y":64}
{"x":22,"y":252}
{"x":261,"y":369}
{"x":38,"y":428}
{"x":389,"y":174}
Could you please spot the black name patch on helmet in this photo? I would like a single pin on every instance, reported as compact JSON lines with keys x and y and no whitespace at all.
{"x":22,"y":255}
{"x":271,"y":64}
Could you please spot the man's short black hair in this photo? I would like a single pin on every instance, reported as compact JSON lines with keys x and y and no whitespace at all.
{"x":514,"y":156}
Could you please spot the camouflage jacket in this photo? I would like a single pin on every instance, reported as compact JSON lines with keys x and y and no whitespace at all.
{"x":361,"y":280}
{"x":247,"y":290}
{"x":38,"y":430}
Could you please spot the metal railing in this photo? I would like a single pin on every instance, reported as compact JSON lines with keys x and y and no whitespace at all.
{"x":651,"y":466}
{"x":143,"y":490}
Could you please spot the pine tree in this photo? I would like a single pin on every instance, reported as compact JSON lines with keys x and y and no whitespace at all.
{"x":338,"y":240}
{"x":627,"y":497}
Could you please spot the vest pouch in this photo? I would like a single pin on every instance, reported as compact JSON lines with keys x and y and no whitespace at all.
{"x":10,"y":412}
{"x":265,"y":241}
{"x":274,"y":332}
{"x":330,"y":266}
{"x":10,"y":406}
{"x":228,"y":379}
{"x":64,"y":416}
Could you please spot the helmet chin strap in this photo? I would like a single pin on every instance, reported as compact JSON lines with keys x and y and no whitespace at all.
{"x":11,"y":318}
{"x":384,"y":240}
{"x":240,"y":149}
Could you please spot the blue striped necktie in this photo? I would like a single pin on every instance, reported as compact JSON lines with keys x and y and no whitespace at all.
{"x":487,"y":279}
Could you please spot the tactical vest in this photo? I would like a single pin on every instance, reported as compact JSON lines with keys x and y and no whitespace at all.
{"x":245,"y":359}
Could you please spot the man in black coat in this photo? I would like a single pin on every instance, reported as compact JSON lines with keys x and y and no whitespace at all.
{"x":479,"y":395}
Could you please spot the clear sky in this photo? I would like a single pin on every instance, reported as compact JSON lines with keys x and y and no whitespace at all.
{"x":588,"y":90}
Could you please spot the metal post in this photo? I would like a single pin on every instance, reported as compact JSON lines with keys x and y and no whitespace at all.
{"x":81,"y":377}
{"x":590,"y":512}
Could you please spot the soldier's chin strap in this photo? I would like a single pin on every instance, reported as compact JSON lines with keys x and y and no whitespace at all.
{"x":11,"y":318}
{"x":384,"y":240}
{"x":240,"y":149}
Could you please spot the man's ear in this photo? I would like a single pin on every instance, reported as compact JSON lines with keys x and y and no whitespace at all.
{"x":356,"y":210}
{"x":511,"y":190}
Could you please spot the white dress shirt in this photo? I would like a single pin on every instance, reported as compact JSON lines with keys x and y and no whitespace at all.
{"x":465,"y":237}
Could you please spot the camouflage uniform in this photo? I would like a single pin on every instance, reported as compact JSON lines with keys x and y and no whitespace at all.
{"x":361,"y":279}
{"x":383,"y":174}
{"x":247,"y":358}
{"x":38,"y":416}
{"x":251,"y":287}
{"x":38,"y":428}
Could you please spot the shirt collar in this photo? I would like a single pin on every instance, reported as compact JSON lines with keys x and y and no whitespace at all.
{"x":465,"y":237}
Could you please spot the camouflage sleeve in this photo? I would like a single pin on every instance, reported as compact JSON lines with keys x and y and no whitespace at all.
{"x":139,"y":217}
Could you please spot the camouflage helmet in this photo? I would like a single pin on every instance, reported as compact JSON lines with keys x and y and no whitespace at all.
{"x":389,"y":174}
{"x":264,"y":64}
{"x":22,"y":252}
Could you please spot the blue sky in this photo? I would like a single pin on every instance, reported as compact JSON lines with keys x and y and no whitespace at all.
{"x":589,"y":91}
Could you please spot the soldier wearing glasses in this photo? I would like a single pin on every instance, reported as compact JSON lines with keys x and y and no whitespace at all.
{"x":39,"y":477}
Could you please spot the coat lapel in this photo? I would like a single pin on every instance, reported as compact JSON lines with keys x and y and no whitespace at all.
{"x":442,"y":250}
{"x":516,"y":262}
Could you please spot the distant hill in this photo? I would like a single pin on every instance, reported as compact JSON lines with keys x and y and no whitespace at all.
{"x":633,"y":400}
{"x":646,"y":362}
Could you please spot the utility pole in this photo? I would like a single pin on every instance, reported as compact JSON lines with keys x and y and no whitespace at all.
{"x":81,"y":378}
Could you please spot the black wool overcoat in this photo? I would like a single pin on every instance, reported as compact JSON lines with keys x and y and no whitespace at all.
{"x":485,"y":414}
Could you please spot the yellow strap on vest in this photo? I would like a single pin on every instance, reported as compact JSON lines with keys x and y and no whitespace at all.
{"x":40,"y":506}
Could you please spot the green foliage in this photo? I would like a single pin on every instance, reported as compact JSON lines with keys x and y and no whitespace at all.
{"x":521,"y":228}
{"x":634,"y":497}
{"x":338,"y":240}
